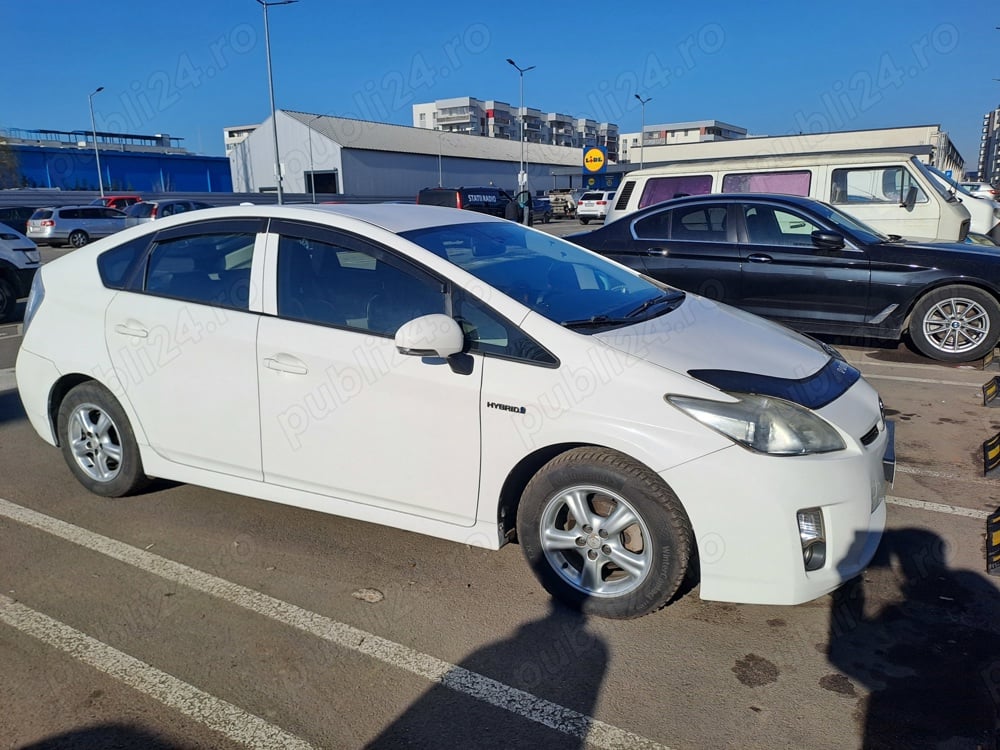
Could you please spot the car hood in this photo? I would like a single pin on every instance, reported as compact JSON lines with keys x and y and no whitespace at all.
{"x":702,"y":336}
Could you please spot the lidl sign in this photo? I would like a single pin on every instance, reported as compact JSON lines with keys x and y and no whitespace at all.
{"x":595,"y":160}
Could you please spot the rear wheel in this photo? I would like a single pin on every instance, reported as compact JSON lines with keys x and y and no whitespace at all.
{"x":955,"y":324}
{"x":8,"y":301}
{"x":604,"y":534}
{"x":97,"y":442}
{"x":78,"y":238}
{"x":584,"y":221}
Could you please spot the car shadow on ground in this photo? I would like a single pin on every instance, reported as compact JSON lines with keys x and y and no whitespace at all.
{"x":556,"y":659}
{"x":927,"y":657}
{"x":11,"y":409}
{"x":103,"y":737}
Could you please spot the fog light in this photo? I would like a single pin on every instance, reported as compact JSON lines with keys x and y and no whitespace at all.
{"x":812,"y":537}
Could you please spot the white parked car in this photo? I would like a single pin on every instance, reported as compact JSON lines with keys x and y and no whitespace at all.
{"x":594,"y":205}
{"x":462,"y":376}
{"x":19,"y":260}
{"x":982,"y":190}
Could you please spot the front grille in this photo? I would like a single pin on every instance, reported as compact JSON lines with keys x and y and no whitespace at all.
{"x":869,"y":437}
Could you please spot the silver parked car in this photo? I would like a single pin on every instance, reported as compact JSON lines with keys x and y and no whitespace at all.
{"x":140,"y":213}
{"x":73,"y":225}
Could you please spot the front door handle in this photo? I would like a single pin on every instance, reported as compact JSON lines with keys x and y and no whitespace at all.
{"x":759,"y":258}
{"x":286,"y":363}
{"x":657,"y":251}
{"x":132,"y":328}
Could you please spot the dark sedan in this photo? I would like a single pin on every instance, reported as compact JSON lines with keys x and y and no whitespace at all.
{"x":806,"y":264}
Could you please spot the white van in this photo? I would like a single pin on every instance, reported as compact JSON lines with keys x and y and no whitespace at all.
{"x":892,"y":192}
{"x":985,"y":212}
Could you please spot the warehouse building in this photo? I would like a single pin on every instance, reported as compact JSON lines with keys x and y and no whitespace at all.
{"x":329,"y":154}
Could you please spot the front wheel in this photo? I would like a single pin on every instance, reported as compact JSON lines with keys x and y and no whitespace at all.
{"x":78,"y":238}
{"x":955,"y":324}
{"x":8,"y":301}
{"x":97,"y":442}
{"x":604,"y":534}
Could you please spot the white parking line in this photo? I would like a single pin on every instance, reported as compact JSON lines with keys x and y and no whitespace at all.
{"x":233,"y":722}
{"x":7,"y":381}
{"x":929,"y":381}
{"x":953,"y":510}
{"x":459,"y":679}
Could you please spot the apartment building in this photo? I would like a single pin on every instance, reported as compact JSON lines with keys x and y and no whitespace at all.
{"x":989,"y":149}
{"x":497,"y":119}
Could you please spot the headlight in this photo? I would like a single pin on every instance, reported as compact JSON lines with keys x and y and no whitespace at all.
{"x":35,"y":297}
{"x":764,"y":423}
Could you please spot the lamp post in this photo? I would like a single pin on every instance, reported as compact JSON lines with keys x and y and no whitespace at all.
{"x":93,"y":130}
{"x":312,"y":167}
{"x":642,"y":133}
{"x":270,"y":87}
{"x":522,"y":176}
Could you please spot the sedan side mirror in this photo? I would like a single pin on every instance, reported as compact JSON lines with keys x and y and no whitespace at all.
{"x":434,"y":335}
{"x":827,"y":240}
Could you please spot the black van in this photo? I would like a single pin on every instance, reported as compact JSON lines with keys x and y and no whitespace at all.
{"x":486,"y":200}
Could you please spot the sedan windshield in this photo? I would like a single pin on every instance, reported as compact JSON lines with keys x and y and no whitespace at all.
{"x":555,"y":278}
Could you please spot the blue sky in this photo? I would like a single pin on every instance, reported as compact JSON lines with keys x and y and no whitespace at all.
{"x":191,"y":68}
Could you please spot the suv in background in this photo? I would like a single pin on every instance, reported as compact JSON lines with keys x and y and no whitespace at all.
{"x":982,"y":190}
{"x":594,"y":204}
{"x":140,"y":213}
{"x":73,"y":225}
{"x":18,"y":262}
{"x":121,"y":202}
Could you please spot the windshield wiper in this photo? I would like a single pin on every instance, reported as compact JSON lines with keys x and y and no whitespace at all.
{"x":662,"y":299}
{"x":596,"y":320}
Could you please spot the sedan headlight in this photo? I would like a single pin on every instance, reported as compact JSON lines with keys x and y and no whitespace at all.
{"x":764,"y":423}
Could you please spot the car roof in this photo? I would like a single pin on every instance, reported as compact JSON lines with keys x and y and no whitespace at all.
{"x":392,"y":217}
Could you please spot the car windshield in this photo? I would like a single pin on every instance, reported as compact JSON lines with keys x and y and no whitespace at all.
{"x":553,"y":277}
{"x":858,"y":229}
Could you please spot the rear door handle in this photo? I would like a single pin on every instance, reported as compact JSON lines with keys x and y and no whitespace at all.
{"x":286,"y":363}
{"x":759,"y":258}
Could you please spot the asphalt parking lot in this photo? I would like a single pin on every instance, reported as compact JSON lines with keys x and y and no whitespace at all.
{"x":192,"y":618}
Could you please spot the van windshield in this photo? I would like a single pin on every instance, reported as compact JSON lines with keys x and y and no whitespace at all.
{"x":922,"y":168}
{"x":561,"y":281}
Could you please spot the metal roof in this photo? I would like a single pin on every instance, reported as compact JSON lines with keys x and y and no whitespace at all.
{"x":379,"y":136}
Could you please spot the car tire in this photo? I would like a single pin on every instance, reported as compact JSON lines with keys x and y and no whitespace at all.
{"x":78,"y":238}
{"x":576,"y":562}
{"x":98,"y":443}
{"x":584,"y":221}
{"x":8,"y":301}
{"x":956,"y":323}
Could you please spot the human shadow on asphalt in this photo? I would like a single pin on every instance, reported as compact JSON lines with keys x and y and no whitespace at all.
{"x":103,"y":737}
{"x":928,"y":657}
{"x":556,"y":659}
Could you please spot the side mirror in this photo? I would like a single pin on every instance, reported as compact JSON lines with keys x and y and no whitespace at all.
{"x":827,"y":240}
{"x":911,"y":198}
{"x":434,"y":335}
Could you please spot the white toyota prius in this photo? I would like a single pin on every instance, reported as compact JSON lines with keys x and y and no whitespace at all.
{"x":463,"y":376}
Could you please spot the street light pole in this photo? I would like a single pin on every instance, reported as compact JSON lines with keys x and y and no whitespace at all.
{"x":522,"y":176}
{"x":270,"y":87}
{"x":93,"y":130}
{"x":642,"y":133}
{"x":312,"y":166}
